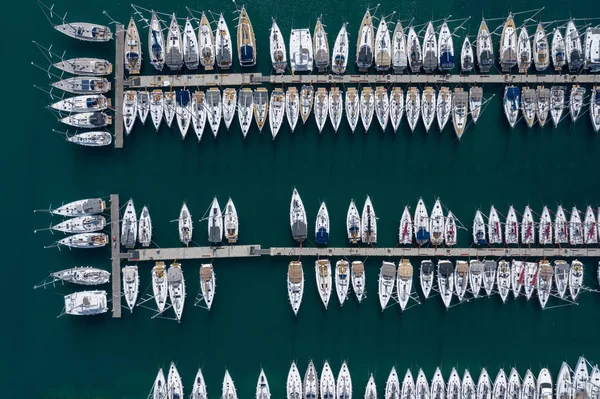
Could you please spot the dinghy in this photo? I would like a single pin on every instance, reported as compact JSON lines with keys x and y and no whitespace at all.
{"x":517,"y":271}
{"x":527,"y":227}
{"x":245,"y":109}
{"x":561,"y":277}
{"x":207,"y":284}
{"x":292,"y":107}
{"x":541,"y":50}
{"x":399,"y":53}
{"x":295,"y":285}
{"x":261,"y":106}
{"x":445,"y":281}
{"x":444,"y":106}
{"x":174,"y":53}
{"x":576,"y":101}
{"x":353,"y":224}
{"x":206,"y":41}
{"x":277,"y":49}
{"x":156,"y":108}
{"x":367,"y":107}
{"x":557,"y":103}
{"x":544,"y":282}
{"x":421,"y":223}
{"x":342,"y":280}
{"x":352,"y":104}
{"x":339,"y":56}
{"x":229,"y":105}
{"x":321,"y":107}
{"x":185,"y":225}
{"x":382,"y":106}
{"x":335,"y":107}
{"x":156,"y":43}
{"x":430,"y":49}
{"x":383,"y":47}
{"x":426,"y":277}
{"x":461,"y":279}
{"x":322,"y":225}
{"x":276,"y":111}
{"x":413,"y":107}
{"x":467,"y":60}
{"x":530,"y":276}
{"x":503,"y":282}
{"x":223,"y":44}
{"x":131,"y":285}
{"x":368,"y":227}
{"x":169,"y":107}
{"x":358,"y":279}
{"x":159,"y":285}
{"x":129,"y":228}
{"x":396,"y":107}
{"x":183,"y":111}
{"x":561,"y":229}
{"x":176,"y":285}
{"x":511,"y":227}
{"x":145,"y":228}
{"x":575,"y":279}
{"x":436,"y":224}
{"x":321,"y":47}
{"x":297,"y":217}
{"x":191,"y":57}
{"x":523,"y":51}
{"x":415,"y":55}
{"x":494,"y":227}
{"x":428,"y":107}
{"x":387,"y":279}
{"x":575,"y":228}
{"x":199,"y":113}
{"x":404,"y":282}
{"x":475,"y":276}
{"x":479,"y":229}
{"x":406,"y":228}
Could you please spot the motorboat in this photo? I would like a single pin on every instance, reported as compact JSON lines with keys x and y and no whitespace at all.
{"x":387,"y":279}
{"x":367,"y":107}
{"x":421,"y":223}
{"x":321,"y":107}
{"x":297,"y":217}
{"x":415,"y":55}
{"x":479,"y":236}
{"x":399,"y":49}
{"x":562,"y":271}
{"x":82,"y":103}
{"x":169,"y":107}
{"x":383,"y":47}
{"x":576,"y":101}
{"x":382,"y":106}
{"x":404,"y":282}
{"x":544,"y":282}
{"x":228,"y":390}
{"x":85,"y":66}
{"x":368,"y":227}
{"x":276,"y":111}
{"x":306,"y":102}
{"x":246,"y":40}
{"x":176,"y":285}
{"x":450,"y":230}
{"x":365,"y":45}
{"x":292,"y":107}
{"x":88,"y":120}
{"x":295,"y":285}
{"x":445,"y":281}
{"x":191,"y":57}
{"x":185,"y":225}
{"x":86,"y":303}
{"x":484,"y":385}
{"x":413,"y":107}
{"x":392,"y":385}
{"x":545,"y":227}
{"x":426,"y":277}
{"x":438,"y":387}
{"x":156,"y":107}
{"x":344,"y":383}
{"x":428,"y":106}
{"x":475,"y":276}
{"x":490,"y":268}
{"x":557,"y":103}
{"x":174,"y":49}
{"x":131,"y":285}
{"x":512,"y":98}
{"x":575,"y":279}
{"x":543,"y":105}
{"x":436,"y":224}
{"x":262,"y":387}
{"x":336,"y":107}
{"x":475,"y":102}
{"x":207,"y":284}
{"x":353,"y":224}
{"x":261,"y":106}
{"x":530,"y":276}
{"x":352,"y":105}
{"x":358,"y":278}
{"x":453,"y":390}
{"x":311,"y":382}
{"x":494,"y":227}
{"x":396,"y":107}
{"x":206,"y":42}
{"x":444,"y":106}
{"x":500,"y":386}
{"x":485,"y":48}
{"x":82,"y":275}
{"x":327,"y":383}
{"x":445,"y":49}
{"x":159,"y":285}
{"x":503,"y":282}
{"x":511,"y":227}
{"x":322,"y":225}
{"x":229,"y":105}
{"x":430,"y":49}
{"x":517,"y":271}
{"x":573,"y":49}
{"x":460,"y":111}
{"x":215,"y":223}
{"x":544,"y":385}
{"x":320,"y":47}
{"x":406,"y":228}
{"x":277,"y":49}
{"x":523,"y":51}
{"x":129,"y":227}
{"x":81,"y":224}
{"x":541,"y":50}
{"x":558,"y":49}
{"x":527,"y":227}
{"x":223,"y":45}
{"x":183,"y":111}
{"x":575,"y":228}
{"x":467,"y":59}
{"x":339,"y":56}
{"x":342,"y":280}
{"x":156,"y":43}
{"x":301,"y":51}
{"x":461,"y":279}
{"x":199,"y":112}
{"x":245,"y":109}
{"x":508,"y":45}
{"x":83,"y":85}
{"x":422,"y":386}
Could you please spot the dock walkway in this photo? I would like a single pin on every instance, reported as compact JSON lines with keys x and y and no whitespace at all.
{"x":115,"y":248}
{"x":119,"y":80}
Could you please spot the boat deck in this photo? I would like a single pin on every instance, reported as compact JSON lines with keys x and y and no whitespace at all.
{"x":119,"y":78}
{"x":115,"y":250}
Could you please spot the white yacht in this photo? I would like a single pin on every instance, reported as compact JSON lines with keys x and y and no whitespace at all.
{"x":277,"y":49}
{"x":339,"y":56}
{"x":595,"y":108}
{"x":321,"y":47}
{"x":503,"y":280}
{"x":485,"y":48}
{"x":562,"y":271}
{"x":262,"y":387}
{"x":131,"y":285}
{"x":183,"y":111}
{"x":129,"y":228}
{"x":438,"y":387}
{"x":228,"y":390}
{"x":311,"y":383}
{"x":404,"y":282}
{"x":292,"y":107}
{"x":82,"y":275}
{"x":382,"y":106}
{"x":575,"y":279}
{"x":358,"y":279}
{"x":573,"y":49}
{"x":561,"y":227}
{"x":508,"y":45}
{"x":85,"y":303}
{"x":245,"y":109}
{"x":415,"y":56}
{"x":215,"y":223}
{"x":557,"y":103}
{"x":461,"y":279}
{"x":352,"y":105}
{"x":199,"y":113}
{"x":213,"y":109}
{"x":261,"y":107}
{"x":392,"y":386}
{"x":353,"y":223}
{"x":206,"y":42}
{"x":371,"y":390}
{"x":229,"y":105}
{"x":159,"y":388}
{"x":490,"y":268}
{"x":324,"y":279}
{"x":174,"y":49}
{"x":159,"y":285}
{"x":396,"y":107}
{"x":342,"y":280}
{"x":545,"y":227}
{"x":421,"y":223}
{"x":528,"y":390}
{"x":185,"y":225}
{"x":344,"y":383}
{"x":81,"y":224}
{"x":523,"y":51}
{"x":479,"y":236}
{"x":494,"y":227}
{"x":475,"y":276}
{"x":297,"y":217}
{"x":295,"y":284}
{"x":460,"y":111}
{"x":156,"y":43}
{"x":231,"y":222}
{"x":543,"y":105}
{"x":436,"y":224}
{"x":336,"y":106}
{"x":541,"y":50}
{"x":306,"y":102}
{"x":321,"y":107}
{"x":527,"y":227}
{"x":208,"y":284}
{"x":444,"y":106}
{"x":450,"y":230}
{"x":387,"y":279}
{"x":294,"y":383}
{"x":174,"y":385}
{"x":575,"y":228}
{"x":276,"y":111}
{"x":223,"y":44}
{"x":468,"y":390}
{"x":544,"y":282}
{"x":428,"y":104}
{"x":322,"y":225}
{"x":383,"y":47}
{"x":405,"y":232}
{"x":367,"y":107}
{"x":84,"y":103}
{"x":544,"y":385}
{"x":143,"y":105}
{"x":564,"y":385}
{"x":327,"y":383}
{"x":301,"y":51}
{"x":156,"y":108}
{"x":576,"y":101}
{"x":484,"y":385}
{"x":413,"y":107}
{"x":368,"y":227}
{"x":467,"y":59}
{"x":445,"y":49}
{"x":191,"y":57}
{"x":530,"y":275}
{"x":426,"y":277}
{"x":445,"y":281}
{"x":83,"y":85}
{"x":422,"y":386}
{"x":453,"y":390}
{"x":500,"y":386}
{"x":399,"y":53}
{"x":176,"y":285}
{"x":365,"y":45}
{"x":558,"y":50}
{"x":511,"y":101}
{"x":430,"y":49}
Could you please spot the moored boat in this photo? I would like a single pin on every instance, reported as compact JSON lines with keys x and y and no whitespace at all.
{"x":231,"y":222}
{"x":365,"y":45}
{"x":199,"y":113}
{"x":85,"y":66}
{"x":156,"y":107}
{"x":430,"y":49}
{"x":422,"y":386}
{"x":129,"y":110}
{"x":215,"y":223}
{"x":143,"y":105}
{"x":444,"y":106}
{"x":367,"y":107}
{"x":336,"y":106}
{"x":511,"y":227}
{"x":517,"y":269}
{"x":85,"y":31}
{"x":500,"y":385}
{"x":306,"y":102}
{"x":327,"y":383}
{"x":320,"y":47}
{"x":295,"y":285}
{"x":344,"y":383}
{"x":383,"y":47}
{"x":339,"y":56}
{"x":467,"y":60}
{"x":133,"y":49}
{"x":503,"y":280}
{"x":460,"y":111}
{"x":545,"y":227}
{"x":445,"y":281}
{"x":453,"y":390}
{"x":228,"y":390}
{"x":523,"y":51}
{"x":145,"y":228}
{"x":392,"y":385}
{"x":446,"y":49}
{"x":206,"y":43}
{"x":404,"y":282}
{"x":321,"y":105}
{"x":530,"y":275}
{"x":561,"y":227}
{"x":438,"y":387}
{"x":159,"y":389}
{"x":276,"y":111}
{"x":229,"y":105}
{"x":131,"y":285}
{"x":368,"y":227}
{"x":511,"y":101}
{"x":561,"y":277}
{"x":573,"y":49}
{"x":183,"y":111}
{"x":322,"y":225}
{"x":86,"y":303}
{"x":485,"y":50}
{"x":541,"y":50}
{"x":399,"y":49}
{"x":353,"y":223}
{"x":311,"y":382}
{"x":81,"y":224}
{"x":494,"y":227}
{"x":415,"y":55}
{"x":557,"y":103}
{"x":301,"y":51}
{"x":475,"y":102}
{"x":490,"y":268}
{"x":436,"y":224}
{"x":426,"y":277}
{"x":558,"y":50}
{"x":297,"y":217}
{"x":85,"y":275}
{"x":223,"y":45}
{"x":174,"y":49}
{"x":358,"y":279}
{"x":508,"y":45}
{"x":528,"y":390}
{"x":169,"y":107}
{"x":129,"y":228}
{"x":185,"y":225}
{"x":529,"y":105}
{"x":406,"y":228}
{"x":294,"y":382}
{"x":159,"y":285}
{"x":461,"y":279}
{"x":83,"y":85}
{"x":213,"y":109}
{"x":245,"y":109}
{"x":277,"y":49}
{"x":191,"y":57}
{"x":387,"y":280}
{"x":207,"y":284}
{"x":156,"y":43}
{"x":261,"y":106}
{"x":413,"y":107}
{"x":575,"y":279}
{"x":246,"y":40}
{"x":527,"y":227}
{"x":575,"y":228}
{"x":564,"y":385}
{"x":382,"y":106}
{"x":83,"y":207}
{"x":576,"y":101}
{"x":479,"y":236}
{"x":292,"y":107}
{"x":595,"y":107}
{"x":543,"y":105}
{"x":352,"y":105}
{"x":544,"y":282}
{"x":484,"y":385}
{"x":475,"y":276}
{"x":176,"y":285}
{"x":428,"y":106}
{"x":450,"y":230}
{"x":342,"y":280}
{"x":396,"y":107}
{"x":421,"y":223}
{"x":544,"y":385}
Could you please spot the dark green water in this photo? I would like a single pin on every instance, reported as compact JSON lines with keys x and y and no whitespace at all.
{"x":251,"y":324}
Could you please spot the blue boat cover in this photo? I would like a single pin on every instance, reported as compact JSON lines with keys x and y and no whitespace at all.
{"x":422,"y":234}
{"x":247,"y":53}
{"x":182,"y":97}
{"x":322,"y":236}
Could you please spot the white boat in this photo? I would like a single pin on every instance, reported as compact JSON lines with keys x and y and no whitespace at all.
{"x":446,"y":49}
{"x":229,"y":106}
{"x":321,"y":47}
{"x":156,"y":107}
{"x":544,"y":282}
{"x":228,"y":390}
{"x":159,"y":389}
{"x":559,"y":58}
{"x":83,"y":85}
{"x":581,"y":379}
{"x":562,"y":271}
{"x":183,"y":111}
{"x":84,"y":207}
{"x":336,"y":107}
{"x":295,"y":284}
{"x":199,"y":113}
{"x":396,"y":107}
{"x":490,"y":268}
{"x":453,"y":390}
{"x":528,"y":390}
{"x":438,"y":387}
{"x":297,"y":217}
{"x":85,"y":31}
{"x":231,"y":222}
{"x":215,"y":223}
{"x":517,"y":273}
{"x":475,"y":276}
{"x":484,"y":385}
{"x":545,"y":227}
{"x":544,"y":385}
{"x":445,"y":281}
{"x":428,"y":104}
{"x":511,"y":101}
{"x":81,"y":224}
{"x":223,"y":44}
{"x":143,"y":105}
{"x":508,"y":45}
{"x":306,"y":102}
{"x":494,"y":227}
{"x":88,"y":120}
{"x":129,"y":228}
{"x":404,"y":282}
{"x":294,"y":383}
{"x":245,"y":109}
{"x":408,"y":389}
{"x":564,"y":385}
{"x":91,"y":139}
{"x":276,"y":111}
{"x":131,"y":285}
{"x":575,"y":228}
{"x":176,"y":285}
{"x":573,"y":48}
{"x":543,"y":105}
{"x":422,"y":386}
{"x":191,"y":57}
{"x":392,"y":386}
{"x":450,"y":230}
{"x":460,"y":111}
{"x":485,"y":50}
{"x":399,"y":49}
{"x":576,"y":101}
{"x":174,"y":52}
{"x":352,"y":104}
{"x":406,"y":228}
{"x":169,"y":107}
{"x":213,"y":109}
{"x":514,"y":385}
{"x":421,"y":223}
{"x":83,"y":103}
{"x":365,"y":45}
{"x":430,"y":49}
{"x":342,"y":280}
{"x":541,"y":50}
{"x":461,"y":279}
{"x":500,"y":386}
{"x":245,"y":40}
{"x":468,"y":390}
{"x":353,"y":224}
{"x":310,"y":386}
{"x":415,"y":55}
{"x":368,"y":227}
{"x":387,"y":279}
{"x":444,"y":106}
{"x":206,"y":41}
{"x":467,"y":59}
{"x":339,"y":56}
{"x":594,"y":386}
{"x":530,"y":275}
{"x":557,"y":103}
{"x":292,"y":107}
{"x":413,"y":107}
{"x":82,"y":275}
{"x":358,"y":279}
{"x":86,"y":303}
{"x":523,"y":51}
{"x":595,"y":108}
{"x":262,"y":387}
{"x":575,"y":279}
{"x":527,"y":227}
{"x":199,"y":388}
{"x":344,"y":383}
{"x":324,"y":279}
{"x":479,"y":236}
{"x":322,"y":225}
{"x":156,"y":43}
{"x":159,"y":285}
{"x":277,"y":49}
{"x":321,"y":110}
{"x":383,"y":47}
{"x":367,"y":107}
{"x":382,"y":106}
{"x":371,"y":390}
{"x":327,"y":383}
{"x":185,"y":225}
{"x":261,"y":106}
{"x":301,"y":51}
{"x":426,"y":277}
{"x":208,"y":285}
{"x":561,"y":227}
{"x":85,"y":66}
{"x":436,"y":224}
{"x":503,"y":282}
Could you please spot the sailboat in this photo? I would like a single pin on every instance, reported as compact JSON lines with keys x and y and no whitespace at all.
{"x":479,"y":229}
{"x":475,"y":276}
{"x":409,"y":389}
{"x":557,"y":103}
{"x":413,"y":107}
{"x":367,"y":107}
{"x":91,"y":139}
{"x":277,"y":49}
{"x":485,"y":50}
{"x":365,"y":44}
{"x":174,"y":53}
{"x":503,"y":280}
{"x":262,"y":387}
{"x":156,"y":108}
{"x":156,"y":43}
{"x":83,"y":207}
{"x":371,"y":390}
{"x":508,"y":45}
{"x":404,"y":282}
{"x":90,"y":120}
{"x":213,"y":109}
{"x":336,"y":107}
{"x":543,"y":105}
{"x":422,"y":386}
{"x":176,"y":285}
{"x":322,"y":225}
{"x":484,"y":385}
{"x":512,"y":104}
{"x":133,"y":49}
{"x":545,"y":227}
{"x":541,"y":56}
{"x":436,"y":224}
{"x":500,"y":385}
{"x":83,"y":103}
{"x":444,"y":106}
{"x":311,"y":382}
{"x":294,"y":382}
{"x":562,"y":271}
{"x":475,"y":102}
{"x":228,"y":391}
{"x":460,"y":111}
{"x":174,"y":385}
{"x":292,"y":107}
{"x":468,"y":386}
{"x":523,"y":51}
{"x":564,"y":385}
{"x":426,"y":277}
{"x":82,"y":275}
{"x":231,"y":223}
{"x":185,"y":224}
{"x":159,"y":285}
{"x":467,"y":59}
{"x":415,"y":56}
{"x":453,"y":390}
{"x":143,"y":105}
{"x":421,"y":223}
{"x":528,"y":391}
{"x":428,"y":104}
{"x":342,"y":280}
{"x":321,"y":104}
{"x":191,"y":57}
{"x":430,"y":49}
{"x":183,"y":111}
{"x":561,"y":229}
{"x":297,"y":217}
{"x":353,"y":224}
{"x":461,"y":279}
{"x":321,"y":47}
{"x":590,"y":232}
{"x":199,"y":113}
{"x":494,"y":227}
{"x":129,"y":226}
{"x":215,"y":223}
{"x":84,"y":31}
{"x":445,"y":49}
{"x":438,"y":388}
{"x":392,"y":386}
{"x":399,"y":49}
{"x":85,"y":66}
{"x":159,"y":388}
{"x":295,"y":285}
{"x":245,"y":109}
{"x":207,"y":284}
{"x":223,"y":44}
{"x":306,"y":102}
{"x":81,"y":224}
{"x":445,"y":281}
{"x":301,"y":51}
{"x":595,"y":108}
{"x":276,"y":111}
{"x":575,"y":228}
{"x":206,"y":41}
{"x":327,"y":387}
{"x":368,"y":228}
{"x":246,"y":40}
{"x":406,"y":228}
{"x":490,"y":268}
{"x":382,"y":106}
{"x":261,"y":106}
{"x":387,"y":279}
{"x":450,"y":230}
{"x":83,"y":85}
{"x":229,"y":105}
{"x":352,"y":105}
{"x":396,"y":107}
{"x":573,"y":48}
{"x":529,"y":105}
{"x":527,"y":227}
{"x":575,"y":279}
{"x":530,"y":275}
{"x":558,"y":50}
{"x":145,"y":228}
{"x":576,"y":101}
{"x":339,"y":56}
{"x":131,"y":285}
{"x":358,"y":279}
{"x":383,"y":47}
{"x":516,"y":273}
{"x":544,"y":282}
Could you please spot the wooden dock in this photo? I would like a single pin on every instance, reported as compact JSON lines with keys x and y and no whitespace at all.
{"x":247,"y":79}
{"x":118,"y":86}
{"x":115,"y":248}
{"x":232,"y":251}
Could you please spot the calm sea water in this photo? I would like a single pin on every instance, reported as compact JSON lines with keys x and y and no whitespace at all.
{"x":251,"y":324}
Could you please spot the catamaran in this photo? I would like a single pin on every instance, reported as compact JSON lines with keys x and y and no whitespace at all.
{"x":561,"y":229}
{"x":460,"y":111}
{"x":229,"y":105}
{"x":479,"y":229}
{"x":191,"y":57}
{"x":213,"y":109}
{"x":156,"y":43}
{"x":81,"y":224}
{"x":301,"y":51}
{"x":185,"y":224}
{"x":129,"y":110}
{"x":261,"y":106}
{"x":358,"y":279}
{"x":82,"y":275}
{"x":131,"y":285}
{"x":396,"y":107}
{"x":277,"y":49}
{"x":485,"y":50}
{"x":512,"y":104}
{"x":444,"y":106}
{"x":508,"y":45}
{"x":573,"y":48}
{"x":399,"y":49}
{"x":352,"y":105}
{"x":245,"y":109}
{"x":575,"y":279}
{"x":558,"y":50}
{"x":199,"y":113}
{"x":426,"y":277}
{"x":436,"y":224}
{"x":529,"y":105}
{"x":129,"y":226}
{"x":276,"y":111}
{"x":231,"y":222}
{"x":367,"y":107}
{"x":575,"y":228}
{"x":174,"y":53}
{"x":297,"y":217}
{"x":541,"y":56}
{"x":295,"y":285}
{"x":306,"y":102}
{"x":413,"y":107}
{"x":85,"y":66}
{"x":365,"y":44}
{"x":383,"y":47}
{"x":517,"y":270}
{"x":183,"y":111}
{"x":159,"y":285}
{"x":133,"y":49}
{"x":430,"y":49}
{"x":544,"y":282}
{"x":145,"y":228}
{"x":169,"y":107}
{"x":595,"y":108}
{"x":292,"y":107}
{"x":428,"y":104}
{"x":215,"y":223}
{"x":321,"y":107}
{"x":339,"y":57}
{"x":336,"y":106}
{"x":561,"y":277}
{"x":382,"y":106}
{"x":208,"y":284}
{"x":404,"y":282}
{"x":406,"y":228}
{"x":557,"y":103}
{"x":503,"y":281}
{"x":321,"y":47}
{"x":545,"y":227}
{"x":446,"y":49}
{"x":86,"y":303}
{"x":576,"y":101}
{"x":353,"y":224}
{"x":523,"y":51}
{"x":415,"y":56}
{"x":322,"y":225}
{"x":246,"y":40}
{"x":342,"y":280}
{"x":223,"y":44}
{"x":206,"y":41}
{"x":445,"y":281}
{"x":83,"y":85}
{"x":467,"y":60}
{"x":475,"y":102}
{"x":387,"y":279}
{"x":156,"y":108}
{"x":176,"y":285}
{"x":262,"y":387}
{"x":368,"y":228}
{"x":476,"y":276}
